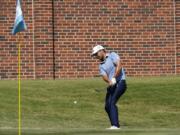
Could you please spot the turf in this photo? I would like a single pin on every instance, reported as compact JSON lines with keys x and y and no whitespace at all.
{"x":150,"y":106}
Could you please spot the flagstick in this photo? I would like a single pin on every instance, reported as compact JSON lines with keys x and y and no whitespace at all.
{"x":19,"y":25}
{"x":19,"y":88}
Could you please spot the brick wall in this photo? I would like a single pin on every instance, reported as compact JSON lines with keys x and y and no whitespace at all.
{"x":145,"y":33}
{"x":178,"y":35}
{"x":9,"y":43}
{"x":43,"y":38}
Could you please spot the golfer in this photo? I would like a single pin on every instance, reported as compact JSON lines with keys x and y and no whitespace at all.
{"x":114,"y":75}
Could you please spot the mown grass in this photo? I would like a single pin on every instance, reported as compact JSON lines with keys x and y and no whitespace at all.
{"x":149,"y":104}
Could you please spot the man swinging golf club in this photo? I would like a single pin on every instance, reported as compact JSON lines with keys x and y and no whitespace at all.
{"x":112,"y":72}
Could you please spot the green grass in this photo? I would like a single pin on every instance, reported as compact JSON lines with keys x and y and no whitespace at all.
{"x":151,"y":105}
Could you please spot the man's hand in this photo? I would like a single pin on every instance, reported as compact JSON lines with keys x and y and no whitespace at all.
{"x":112,"y":82}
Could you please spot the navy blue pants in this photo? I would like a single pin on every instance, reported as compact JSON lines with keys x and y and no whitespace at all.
{"x":112,"y":96}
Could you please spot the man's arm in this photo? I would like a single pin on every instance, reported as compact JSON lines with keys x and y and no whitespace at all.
{"x":117,"y":71}
{"x":118,"y":68}
{"x":106,"y":79}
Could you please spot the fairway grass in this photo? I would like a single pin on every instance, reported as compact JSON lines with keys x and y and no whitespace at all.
{"x":150,"y":106}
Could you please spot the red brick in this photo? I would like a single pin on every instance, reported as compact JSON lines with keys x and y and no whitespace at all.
{"x":142,"y":32}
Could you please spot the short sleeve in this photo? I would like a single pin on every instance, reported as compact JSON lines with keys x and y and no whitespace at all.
{"x":115,"y":57}
{"x":101,"y":70}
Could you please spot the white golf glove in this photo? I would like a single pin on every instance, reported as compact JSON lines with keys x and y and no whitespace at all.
{"x":113,"y":81}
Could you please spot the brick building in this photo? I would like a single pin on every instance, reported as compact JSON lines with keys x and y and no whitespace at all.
{"x":61,"y":34}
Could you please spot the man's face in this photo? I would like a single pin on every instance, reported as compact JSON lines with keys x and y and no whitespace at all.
{"x":100,"y":55}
